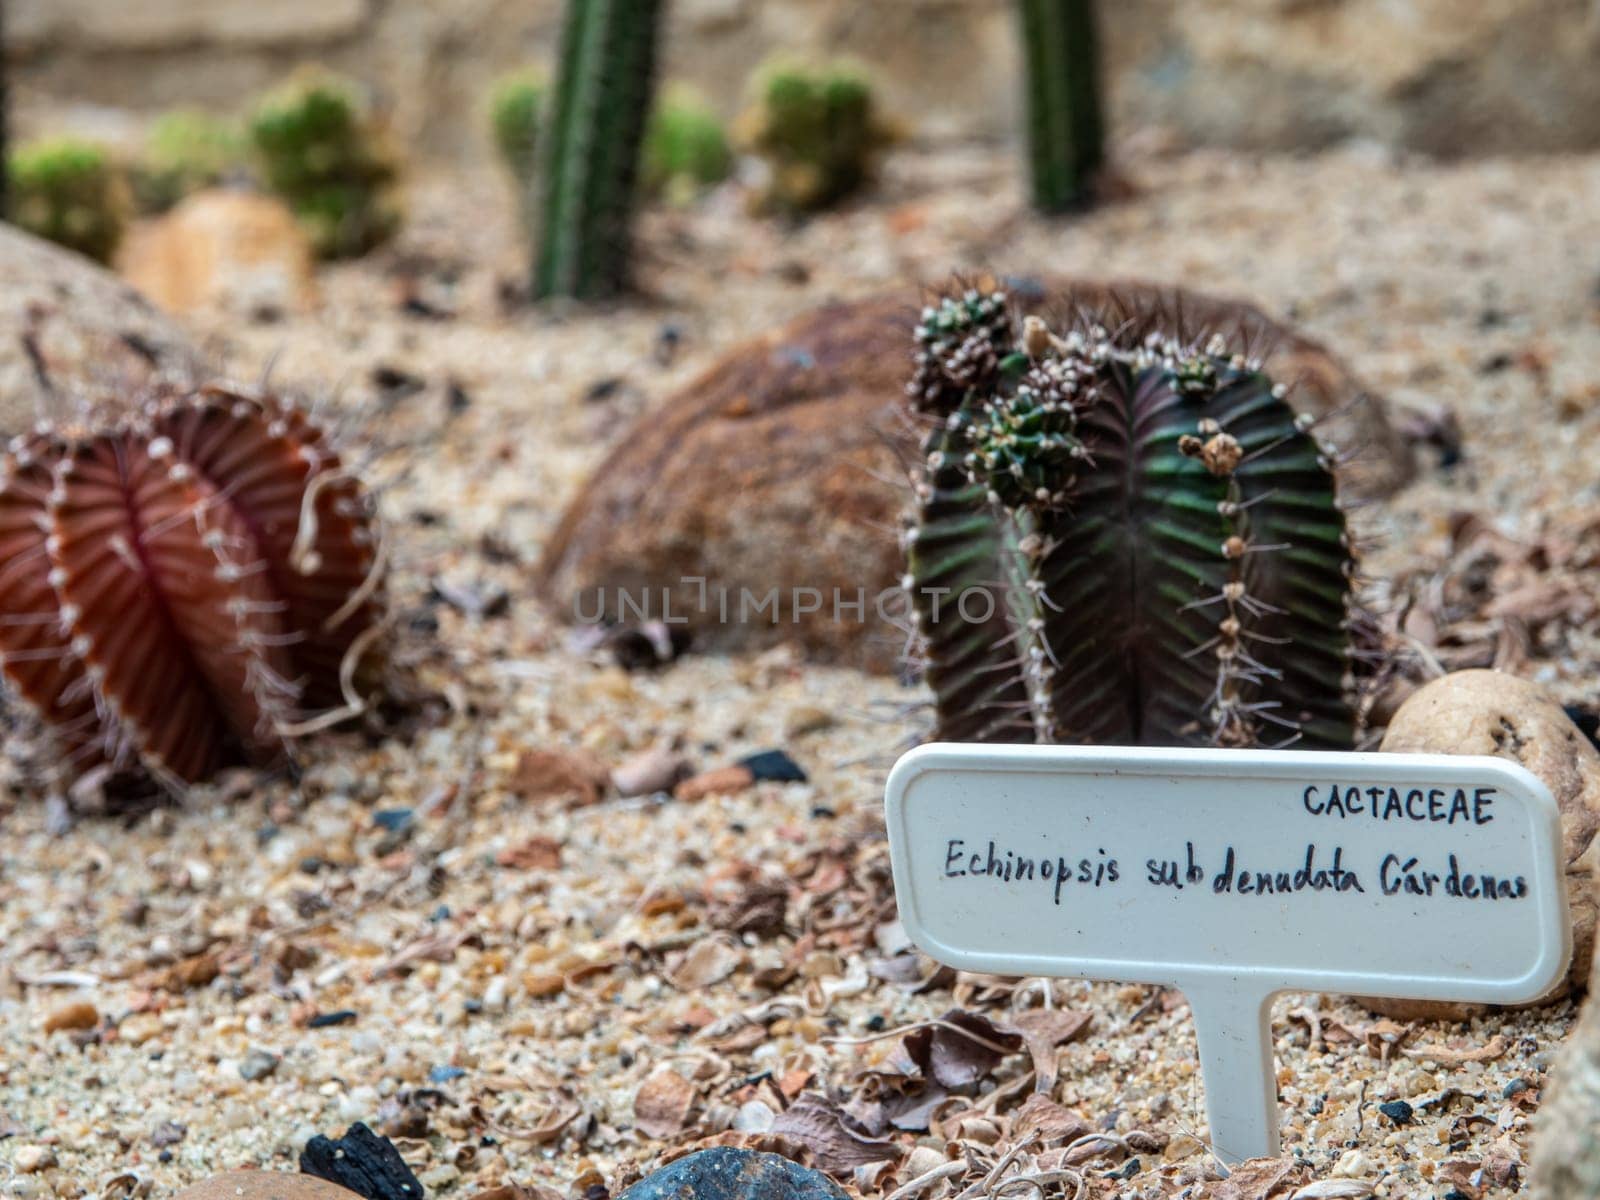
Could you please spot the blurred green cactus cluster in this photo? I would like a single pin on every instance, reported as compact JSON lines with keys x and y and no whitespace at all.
{"x":319,"y":149}
{"x":515,"y":106}
{"x":70,"y":192}
{"x":685,"y":147}
{"x":185,"y":150}
{"x":819,"y":131}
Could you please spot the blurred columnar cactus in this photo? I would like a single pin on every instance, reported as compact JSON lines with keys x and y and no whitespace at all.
{"x":1124,"y":536}
{"x":590,"y":145}
{"x":69,"y":192}
{"x":685,"y":148}
{"x":185,"y":150}
{"x":818,"y":130}
{"x":323,"y":154}
{"x":1066,"y":143}
{"x":189,"y":587}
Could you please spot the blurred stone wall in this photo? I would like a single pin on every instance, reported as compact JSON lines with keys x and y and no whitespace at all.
{"x":1442,"y":76}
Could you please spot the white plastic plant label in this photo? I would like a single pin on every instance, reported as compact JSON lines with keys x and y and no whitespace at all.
{"x":1233,"y":875}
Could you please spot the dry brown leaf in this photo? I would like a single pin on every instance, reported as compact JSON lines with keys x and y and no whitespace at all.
{"x":708,"y":961}
{"x":960,"y":1048}
{"x":518,"y":1191}
{"x":1334,"y":1189}
{"x":662,"y":1105}
{"x":758,"y":907}
{"x":1043,"y":1032}
{"x":559,"y":774}
{"x":1260,"y":1179}
{"x":189,"y":973}
{"x":535,"y":854}
{"x":820,"y":1127}
{"x":1053,"y":1123}
{"x":1462,"y":1175}
{"x":439,"y":948}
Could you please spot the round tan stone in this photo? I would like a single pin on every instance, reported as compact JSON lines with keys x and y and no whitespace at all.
{"x":1490,"y":712}
{"x":265,"y":1185}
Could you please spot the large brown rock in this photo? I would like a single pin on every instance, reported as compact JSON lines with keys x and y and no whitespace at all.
{"x":1490,"y":712}
{"x":785,"y":467}
{"x":71,"y":332}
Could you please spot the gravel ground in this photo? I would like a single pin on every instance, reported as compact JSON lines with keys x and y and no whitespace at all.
{"x":494,"y":979}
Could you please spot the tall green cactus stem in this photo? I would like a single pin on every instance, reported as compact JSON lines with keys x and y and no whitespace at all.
{"x":590,"y":147}
{"x":1066,"y":141}
{"x":1164,"y":532}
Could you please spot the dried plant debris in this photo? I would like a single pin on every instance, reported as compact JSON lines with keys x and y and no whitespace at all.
{"x":527,"y":934}
{"x":363,"y":1162}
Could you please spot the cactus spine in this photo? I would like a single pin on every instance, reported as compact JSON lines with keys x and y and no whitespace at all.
{"x":1066,"y":142}
{"x":1160,"y":535}
{"x":590,"y":147}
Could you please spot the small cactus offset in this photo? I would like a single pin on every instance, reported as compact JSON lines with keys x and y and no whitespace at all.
{"x":1124,"y":536}
{"x":590,"y":147}
{"x":685,"y":148}
{"x":1066,"y":141}
{"x":69,"y":192}
{"x":818,"y":130}
{"x":325,"y":157}
{"x":189,"y":588}
{"x":514,"y":111}
{"x":185,"y":150}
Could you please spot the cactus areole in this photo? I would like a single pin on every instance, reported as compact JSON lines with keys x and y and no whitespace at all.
{"x":1122,"y":537}
{"x":189,"y":588}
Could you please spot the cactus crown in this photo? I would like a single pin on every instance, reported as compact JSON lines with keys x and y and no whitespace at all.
{"x":320,"y":151}
{"x":178,"y":590}
{"x":185,"y":150}
{"x":1151,"y":533}
{"x":589,"y":147}
{"x":819,"y":131}
{"x":69,"y":192}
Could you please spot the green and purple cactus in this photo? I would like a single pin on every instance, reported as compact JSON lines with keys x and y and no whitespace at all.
{"x":1123,"y":535}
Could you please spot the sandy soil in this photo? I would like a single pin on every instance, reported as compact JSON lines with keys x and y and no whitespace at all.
{"x":516,"y":968}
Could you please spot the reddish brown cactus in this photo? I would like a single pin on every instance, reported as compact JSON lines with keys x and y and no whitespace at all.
{"x":188,"y":589}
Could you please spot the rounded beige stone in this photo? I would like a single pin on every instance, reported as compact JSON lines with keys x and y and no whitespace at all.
{"x":1490,"y":712}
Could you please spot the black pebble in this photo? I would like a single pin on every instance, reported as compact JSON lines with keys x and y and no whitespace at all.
{"x":343,"y":1016}
{"x":773,"y":766}
{"x":1397,"y":1111}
